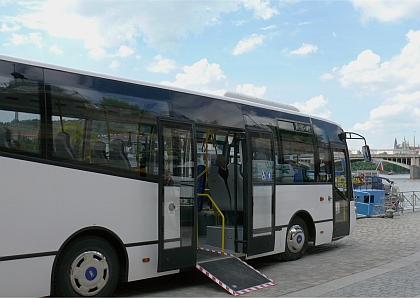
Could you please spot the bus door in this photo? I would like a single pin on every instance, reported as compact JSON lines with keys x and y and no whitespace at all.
{"x":177,"y":199}
{"x":342,"y":192}
{"x":260,"y":189}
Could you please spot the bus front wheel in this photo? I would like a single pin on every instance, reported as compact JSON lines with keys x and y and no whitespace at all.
{"x":87,"y":267}
{"x":296,"y":240}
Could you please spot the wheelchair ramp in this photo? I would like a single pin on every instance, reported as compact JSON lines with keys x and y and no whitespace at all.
{"x":230,"y":272}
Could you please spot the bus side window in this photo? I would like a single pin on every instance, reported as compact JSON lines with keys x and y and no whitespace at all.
{"x":324,"y":166}
{"x":298,"y":162}
{"x":21,"y":133}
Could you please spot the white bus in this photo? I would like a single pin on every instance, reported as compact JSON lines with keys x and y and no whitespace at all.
{"x":106,"y":180}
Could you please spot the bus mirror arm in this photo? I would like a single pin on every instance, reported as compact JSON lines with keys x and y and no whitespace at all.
{"x":355,"y":136}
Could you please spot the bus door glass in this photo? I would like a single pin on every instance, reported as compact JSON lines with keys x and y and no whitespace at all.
{"x":260,"y":206}
{"x":235,"y":178}
{"x":177,"y":189}
{"x":342,"y":193}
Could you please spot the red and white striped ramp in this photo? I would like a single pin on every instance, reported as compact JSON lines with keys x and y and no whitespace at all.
{"x":230,"y":272}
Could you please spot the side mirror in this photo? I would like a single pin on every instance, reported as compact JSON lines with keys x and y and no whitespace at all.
{"x":366,"y":153}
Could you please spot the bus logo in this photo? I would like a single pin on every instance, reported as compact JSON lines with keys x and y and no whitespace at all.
{"x":91,"y":273}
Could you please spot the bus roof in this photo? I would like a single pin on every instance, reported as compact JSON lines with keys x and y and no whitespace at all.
{"x":225,"y":95}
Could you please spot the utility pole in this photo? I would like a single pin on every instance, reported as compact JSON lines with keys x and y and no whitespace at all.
{"x":415,"y":166}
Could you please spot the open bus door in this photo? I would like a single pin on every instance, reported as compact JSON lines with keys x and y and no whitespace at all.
{"x":177,"y":195}
{"x":260,"y":199}
{"x":342,"y":191}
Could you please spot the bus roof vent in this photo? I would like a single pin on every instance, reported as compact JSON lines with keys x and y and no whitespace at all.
{"x":253,"y":99}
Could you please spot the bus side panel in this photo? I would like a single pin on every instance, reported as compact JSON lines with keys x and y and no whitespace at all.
{"x":140,"y":269}
{"x":26,"y":277}
{"x":323,"y":232}
{"x":43,"y":205}
{"x":280,"y":244}
{"x":46,"y":204}
{"x":127,"y":207}
{"x":312,"y":198}
{"x":28,"y":220}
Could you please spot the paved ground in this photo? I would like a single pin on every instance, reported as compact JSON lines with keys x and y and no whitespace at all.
{"x":380,"y":259}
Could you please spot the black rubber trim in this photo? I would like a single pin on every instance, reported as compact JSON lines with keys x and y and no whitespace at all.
{"x":28,"y":256}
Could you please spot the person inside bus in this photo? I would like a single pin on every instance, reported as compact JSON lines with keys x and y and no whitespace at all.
{"x":223,"y":171}
{"x":362,"y":177}
{"x":167,"y":179}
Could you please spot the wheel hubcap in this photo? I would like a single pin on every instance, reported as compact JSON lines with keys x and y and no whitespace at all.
{"x":295,"y":238}
{"x":89,"y":273}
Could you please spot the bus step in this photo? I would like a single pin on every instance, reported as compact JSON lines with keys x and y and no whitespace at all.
{"x":230,"y":272}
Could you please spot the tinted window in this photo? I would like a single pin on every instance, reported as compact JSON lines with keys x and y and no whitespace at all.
{"x":207,"y":110}
{"x":296,"y":163}
{"x":333,"y":132}
{"x":324,"y":164}
{"x":105,"y":124}
{"x":21,"y":98}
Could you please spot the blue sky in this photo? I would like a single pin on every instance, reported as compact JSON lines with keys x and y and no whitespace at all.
{"x":356,"y":63}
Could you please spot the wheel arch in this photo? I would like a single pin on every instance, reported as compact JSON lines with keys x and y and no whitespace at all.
{"x":104,"y":233}
{"x":307,"y":218}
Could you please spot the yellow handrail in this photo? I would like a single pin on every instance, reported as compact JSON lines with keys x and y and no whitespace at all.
{"x":202,"y":173}
{"x":221,"y":214}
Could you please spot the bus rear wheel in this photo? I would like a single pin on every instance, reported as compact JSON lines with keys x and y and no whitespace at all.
{"x":89,"y":266}
{"x":296,"y":240}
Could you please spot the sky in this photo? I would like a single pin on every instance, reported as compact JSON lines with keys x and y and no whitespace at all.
{"x":356,"y":63}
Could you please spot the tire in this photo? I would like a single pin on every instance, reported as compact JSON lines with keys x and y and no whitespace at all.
{"x":88,"y":266}
{"x":296,"y":240}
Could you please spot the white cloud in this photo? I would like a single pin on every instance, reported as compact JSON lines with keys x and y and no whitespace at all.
{"x":326,"y":77}
{"x":60,"y":19}
{"x":400,"y":74}
{"x":162,"y":65}
{"x":124,"y":51}
{"x":271,"y":27}
{"x":261,"y":8}
{"x":56,"y":49}
{"x":97,"y":54}
{"x":305,"y":49}
{"x":248,"y":44}
{"x":200,"y":76}
{"x":387,"y":121}
{"x":360,"y":70}
{"x":36,"y":39}
{"x":161,"y":24}
{"x":251,"y":90}
{"x":32,"y":38}
{"x":285,"y":2}
{"x":114,"y":65}
{"x":5,"y":28}
{"x":396,"y":82}
{"x":387,"y":11}
{"x":316,"y":106}
{"x":239,"y":23}
{"x":18,"y":39}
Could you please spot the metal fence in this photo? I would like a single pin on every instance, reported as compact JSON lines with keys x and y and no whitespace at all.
{"x":408,"y":200}
{"x":396,"y":201}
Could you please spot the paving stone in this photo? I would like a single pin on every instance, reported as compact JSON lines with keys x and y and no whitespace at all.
{"x":380,"y":259}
